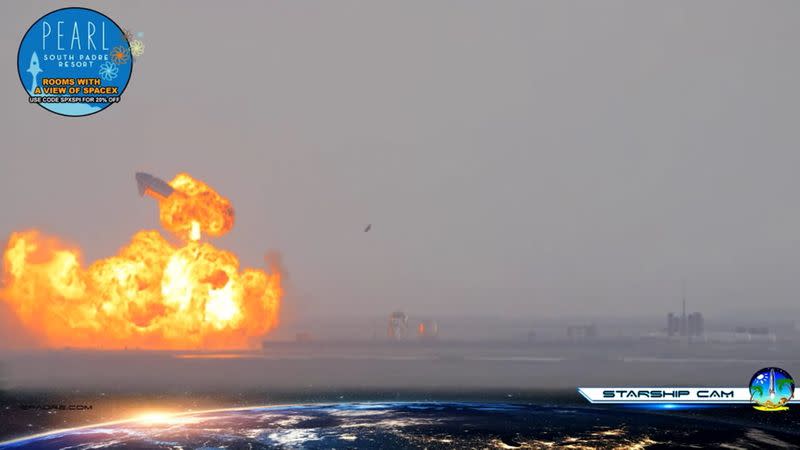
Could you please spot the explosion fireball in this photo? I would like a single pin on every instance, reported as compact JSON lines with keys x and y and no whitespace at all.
{"x":153,"y":294}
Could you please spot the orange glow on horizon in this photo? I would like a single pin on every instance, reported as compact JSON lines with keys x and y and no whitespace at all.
{"x":165,"y":418}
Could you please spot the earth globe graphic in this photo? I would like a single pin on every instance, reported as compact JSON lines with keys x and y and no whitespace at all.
{"x":410,"y":425}
{"x":771,"y":388}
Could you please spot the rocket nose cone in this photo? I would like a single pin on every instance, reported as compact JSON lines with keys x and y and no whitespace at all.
{"x":142,"y":181}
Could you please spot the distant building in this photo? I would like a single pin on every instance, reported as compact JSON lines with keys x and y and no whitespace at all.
{"x":673,"y":325}
{"x":683,"y":325}
{"x":581,"y":332}
{"x":742,"y":335}
{"x":398,"y":326}
{"x":692,"y":325}
{"x":695,"y":324}
{"x":752,"y":330}
{"x":428,"y":329}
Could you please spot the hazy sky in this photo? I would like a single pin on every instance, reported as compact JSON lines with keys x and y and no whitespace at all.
{"x":516,"y":158}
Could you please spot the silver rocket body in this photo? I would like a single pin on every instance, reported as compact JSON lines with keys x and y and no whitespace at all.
{"x":153,"y":186}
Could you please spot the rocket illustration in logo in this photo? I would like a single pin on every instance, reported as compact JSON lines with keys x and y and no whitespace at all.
{"x":34,"y":70}
{"x":772,"y":384}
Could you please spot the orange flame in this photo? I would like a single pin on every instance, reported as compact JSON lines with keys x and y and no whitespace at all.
{"x":194,"y":204}
{"x":152,"y":294}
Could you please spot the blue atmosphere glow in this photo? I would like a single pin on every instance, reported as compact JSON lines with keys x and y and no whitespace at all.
{"x":670,"y":406}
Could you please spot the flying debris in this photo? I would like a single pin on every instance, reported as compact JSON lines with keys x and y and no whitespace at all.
{"x":153,"y":186}
{"x":369,"y":227}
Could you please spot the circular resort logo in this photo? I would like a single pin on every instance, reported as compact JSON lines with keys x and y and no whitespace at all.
{"x":74,"y":62}
{"x":771,"y":388}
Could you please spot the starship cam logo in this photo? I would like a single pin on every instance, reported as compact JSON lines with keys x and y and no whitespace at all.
{"x":770,"y":389}
{"x":75,"y":62}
